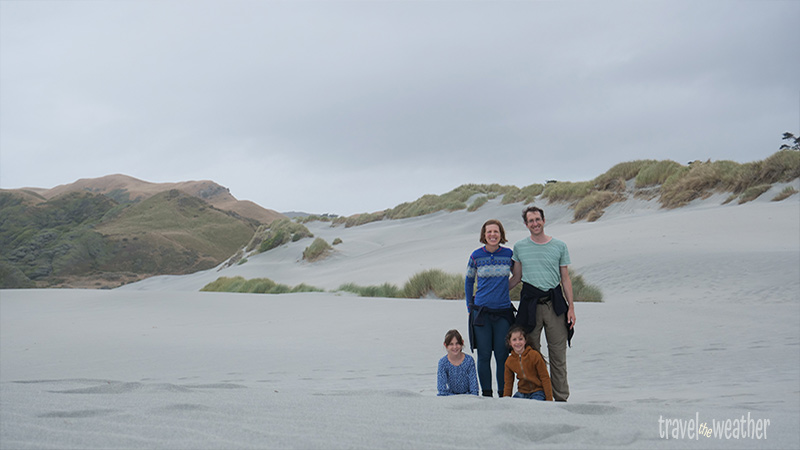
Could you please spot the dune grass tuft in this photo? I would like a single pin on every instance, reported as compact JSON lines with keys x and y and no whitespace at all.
{"x":278,"y":233}
{"x":787,"y":192}
{"x":565,"y":191}
{"x":386,"y":290}
{"x":656,"y":173}
{"x":318,"y":249}
{"x":525,"y":195}
{"x":480,"y":201}
{"x":593,"y":205}
{"x":436,"y":282}
{"x":623,"y":171}
{"x":753,"y":193}
{"x":254,"y":286}
{"x":583,"y":291}
{"x":690,"y":183}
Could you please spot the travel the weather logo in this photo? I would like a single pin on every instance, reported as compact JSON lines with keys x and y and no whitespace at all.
{"x":743,"y":428}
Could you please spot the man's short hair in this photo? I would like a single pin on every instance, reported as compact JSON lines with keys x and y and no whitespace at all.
{"x":531,"y":209}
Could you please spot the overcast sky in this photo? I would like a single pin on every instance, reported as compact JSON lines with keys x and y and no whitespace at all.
{"x":347,"y":107}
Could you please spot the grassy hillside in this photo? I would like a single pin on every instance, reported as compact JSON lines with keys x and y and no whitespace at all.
{"x":126,"y":189}
{"x":185,"y":222}
{"x":90,"y":240}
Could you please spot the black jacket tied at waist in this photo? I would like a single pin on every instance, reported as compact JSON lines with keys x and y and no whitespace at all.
{"x":532,"y":296}
{"x":478,"y":314}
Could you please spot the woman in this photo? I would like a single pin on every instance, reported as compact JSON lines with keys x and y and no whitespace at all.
{"x":490,"y":309}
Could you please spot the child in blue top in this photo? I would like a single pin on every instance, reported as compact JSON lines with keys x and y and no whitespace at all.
{"x":456,"y":374}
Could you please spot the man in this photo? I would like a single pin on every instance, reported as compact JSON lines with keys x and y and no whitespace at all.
{"x":546,"y":298}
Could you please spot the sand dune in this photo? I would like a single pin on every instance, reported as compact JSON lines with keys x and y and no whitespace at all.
{"x":701,"y":320}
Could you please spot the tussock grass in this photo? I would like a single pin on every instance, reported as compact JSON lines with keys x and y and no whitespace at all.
{"x":436,"y":282}
{"x":753,"y":193}
{"x":592,"y":206}
{"x":386,"y":290}
{"x":525,"y":195}
{"x":583,"y":291}
{"x":427,"y":204}
{"x":690,"y":183}
{"x":781,"y":167}
{"x":254,"y":286}
{"x":318,"y":249}
{"x":702,"y":178}
{"x":620,"y":173}
{"x":568,"y":192}
{"x":360,"y":219}
{"x":787,"y":192}
{"x":277,"y":233}
{"x":656,"y":173}
{"x":480,"y":201}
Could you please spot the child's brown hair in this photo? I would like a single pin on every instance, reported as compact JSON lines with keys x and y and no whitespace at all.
{"x":453,"y":334}
{"x":516,"y":329}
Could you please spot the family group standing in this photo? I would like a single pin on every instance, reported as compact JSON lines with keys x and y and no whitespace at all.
{"x":541,"y":263}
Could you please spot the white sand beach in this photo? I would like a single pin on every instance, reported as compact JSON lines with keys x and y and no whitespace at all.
{"x":700,"y":327}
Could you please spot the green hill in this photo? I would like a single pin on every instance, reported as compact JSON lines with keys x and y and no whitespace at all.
{"x":90,"y":240}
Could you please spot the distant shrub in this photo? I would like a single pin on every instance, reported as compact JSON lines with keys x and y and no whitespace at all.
{"x":337,"y":241}
{"x":787,"y":192}
{"x":242,"y":261}
{"x":317,"y":250}
{"x":13,"y":278}
{"x":480,"y":201}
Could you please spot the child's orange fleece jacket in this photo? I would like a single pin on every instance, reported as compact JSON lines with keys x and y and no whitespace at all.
{"x":531,"y":370}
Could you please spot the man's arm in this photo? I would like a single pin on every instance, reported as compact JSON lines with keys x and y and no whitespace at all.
{"x":566,"y":286}
{"x":516,"y":274}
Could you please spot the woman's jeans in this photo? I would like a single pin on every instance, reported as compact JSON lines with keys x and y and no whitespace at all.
{"x":538,"y":395}
{"x":491,"y":337}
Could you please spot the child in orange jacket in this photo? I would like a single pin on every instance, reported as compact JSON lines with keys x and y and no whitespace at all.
{"x":529,"y":367}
